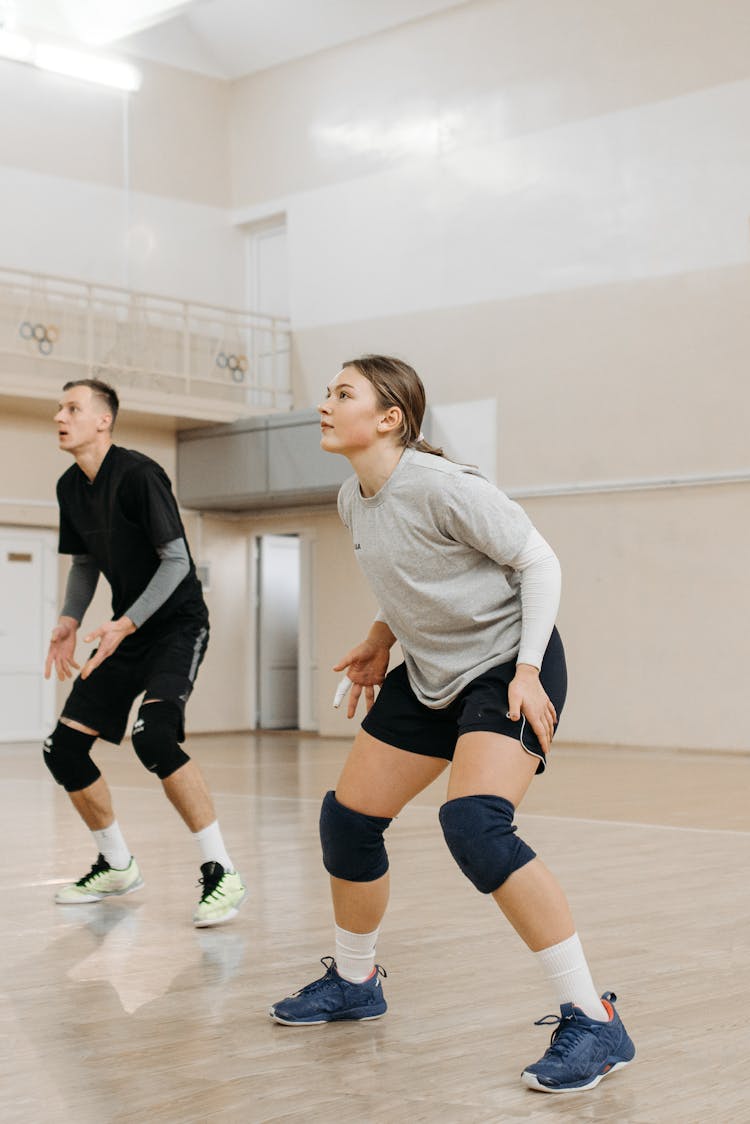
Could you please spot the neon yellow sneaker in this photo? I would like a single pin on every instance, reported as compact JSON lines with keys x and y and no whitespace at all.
{"x":222,"y":895}
{"x":102,"y":881}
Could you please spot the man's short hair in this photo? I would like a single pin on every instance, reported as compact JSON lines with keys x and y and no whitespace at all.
{"x":101,"y":390}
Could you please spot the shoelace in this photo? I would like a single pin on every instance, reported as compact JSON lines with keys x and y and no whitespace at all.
{"x":99,"y":867}
{"x":566,"y":1035}
{"x":329,"y":964}
{"x":211,"y":884}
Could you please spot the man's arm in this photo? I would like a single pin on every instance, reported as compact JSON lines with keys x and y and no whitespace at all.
{"x":172,"y":569}
{"x":174,"y":565}
{"x":79,"y":590}
{"x":81,"y":585}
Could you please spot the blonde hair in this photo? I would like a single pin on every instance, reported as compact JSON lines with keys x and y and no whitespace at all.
{"x":101,"y":390}
{"x":397,"y":384}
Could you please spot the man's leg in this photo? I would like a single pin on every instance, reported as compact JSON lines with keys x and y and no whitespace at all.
{"x":157,"y":734}
{"x":187,"y":790}
{"x":115,"y":871}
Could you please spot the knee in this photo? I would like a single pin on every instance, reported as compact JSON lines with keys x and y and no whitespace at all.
{"x":481,"y":837}
{"x":67,"y":756}
{"x":156,"y":734}
{"x":353,"y":846}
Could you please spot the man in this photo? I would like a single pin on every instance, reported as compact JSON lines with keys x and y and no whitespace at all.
{"x":118,"y":517}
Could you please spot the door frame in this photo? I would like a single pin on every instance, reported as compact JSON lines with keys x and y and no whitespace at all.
{"x":49,"y":594}
{"x":307,"y":640}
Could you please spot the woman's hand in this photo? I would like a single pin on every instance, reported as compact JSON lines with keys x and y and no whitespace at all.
{"x":366,"y":666}
{"x":527,"y":696}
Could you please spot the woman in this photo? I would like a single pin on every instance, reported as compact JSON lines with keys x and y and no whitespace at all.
{"x":470,"y":590}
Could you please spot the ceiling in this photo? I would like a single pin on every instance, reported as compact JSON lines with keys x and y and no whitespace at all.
{"x":221,"y":38}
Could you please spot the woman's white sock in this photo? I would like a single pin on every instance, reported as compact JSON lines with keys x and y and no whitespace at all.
{"x":565,"y":966}
{"x":355,"y":954}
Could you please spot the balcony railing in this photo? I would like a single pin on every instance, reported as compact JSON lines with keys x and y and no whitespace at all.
{"x":53,"y":329}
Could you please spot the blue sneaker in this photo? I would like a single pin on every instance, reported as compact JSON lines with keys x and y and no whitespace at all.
{"x":582,"y":1050}
{"x":332,"y":999}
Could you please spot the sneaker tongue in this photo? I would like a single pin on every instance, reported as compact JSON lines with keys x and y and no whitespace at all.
{"x":566,"y":1010}
{"x":212,"y":870}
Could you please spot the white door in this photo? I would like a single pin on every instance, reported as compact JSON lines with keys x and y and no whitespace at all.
{"x":268,"y":293}
{"x":278,"y":586}
{"x":28,"y":611}
{"x":308,"y":637}
{"x":268,"y":270}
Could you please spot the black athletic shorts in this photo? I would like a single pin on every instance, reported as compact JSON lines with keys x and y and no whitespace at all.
{"x":398,"y":718}
{"x":164,"y":665}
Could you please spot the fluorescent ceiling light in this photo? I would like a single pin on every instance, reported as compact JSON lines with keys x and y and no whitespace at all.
{"x":99,"y":23}
{"x":15,"y":47}
{"x":93,"y":22}
{"x":89,"y":68}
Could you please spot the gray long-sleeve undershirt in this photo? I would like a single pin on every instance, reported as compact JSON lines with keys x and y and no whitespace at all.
{"x":84,"y":573}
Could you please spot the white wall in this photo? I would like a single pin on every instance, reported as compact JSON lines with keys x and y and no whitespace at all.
{"x":546,"y":201}
{"x":129,"y":190}
{"x":472,"y":214}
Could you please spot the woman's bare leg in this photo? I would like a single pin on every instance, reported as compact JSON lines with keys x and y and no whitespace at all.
{"x":377,"y":780}
{"x":531,"y":898}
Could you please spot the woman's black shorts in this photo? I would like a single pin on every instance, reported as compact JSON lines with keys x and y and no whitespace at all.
{"x":399,"y":719}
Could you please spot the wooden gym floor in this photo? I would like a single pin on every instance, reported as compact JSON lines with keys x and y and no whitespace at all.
{"x":122,"y":1011}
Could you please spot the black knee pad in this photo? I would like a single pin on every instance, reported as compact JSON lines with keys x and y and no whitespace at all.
{"x":156,"y":735}
{"x":66,"y":755}
{"x":481,"y":837}
{"x":353,"y":846}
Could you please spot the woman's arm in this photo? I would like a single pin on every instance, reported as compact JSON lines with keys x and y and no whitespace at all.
{"x":366,"y":666}
{"x":540,"y":597}
{"x":540,"y":600}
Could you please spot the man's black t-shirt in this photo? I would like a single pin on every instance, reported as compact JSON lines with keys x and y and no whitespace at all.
{"x":120,"y":518}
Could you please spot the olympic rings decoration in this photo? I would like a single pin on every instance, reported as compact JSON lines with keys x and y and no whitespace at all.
{"x":237,"y":365}
{"x":45,"y":336}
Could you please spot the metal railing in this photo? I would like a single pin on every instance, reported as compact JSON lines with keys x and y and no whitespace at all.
{"x":54,"y":328}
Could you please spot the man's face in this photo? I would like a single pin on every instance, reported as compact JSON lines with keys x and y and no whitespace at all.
{"x":82,"y":419}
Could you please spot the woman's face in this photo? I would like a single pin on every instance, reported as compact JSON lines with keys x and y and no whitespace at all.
{"x":350,"y":414}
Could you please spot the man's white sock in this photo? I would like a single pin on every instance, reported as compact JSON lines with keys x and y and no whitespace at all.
{"x":110,"y":843}
{"x":211,"y":844}
{"x":565,"y":966}
{"x":355,"y":954}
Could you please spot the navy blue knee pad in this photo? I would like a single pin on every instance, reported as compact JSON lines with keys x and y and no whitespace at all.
{"x":156,"y":735}
{"x":66,"y":755}
{"x":353,"y":846}
{"x":481,"y":837}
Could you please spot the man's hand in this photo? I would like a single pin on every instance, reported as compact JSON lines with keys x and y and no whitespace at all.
{"x":527,"y":696}
{"x":366,"y":666}
{"x":110,"y":636}
{"x":62,"y":647}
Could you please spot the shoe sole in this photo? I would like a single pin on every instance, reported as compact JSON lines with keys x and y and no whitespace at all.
{"x":100,"y":897}
{"x":210,"y":923}
{"x":531,"y":1081}
{"x":321,"y":1022}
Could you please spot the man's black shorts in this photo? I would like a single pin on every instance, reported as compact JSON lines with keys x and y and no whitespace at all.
{"x":398,"y":718}
{"x":164,"y":665}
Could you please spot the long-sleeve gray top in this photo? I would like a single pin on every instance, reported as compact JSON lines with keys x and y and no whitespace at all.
{"x":84,"y":574}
